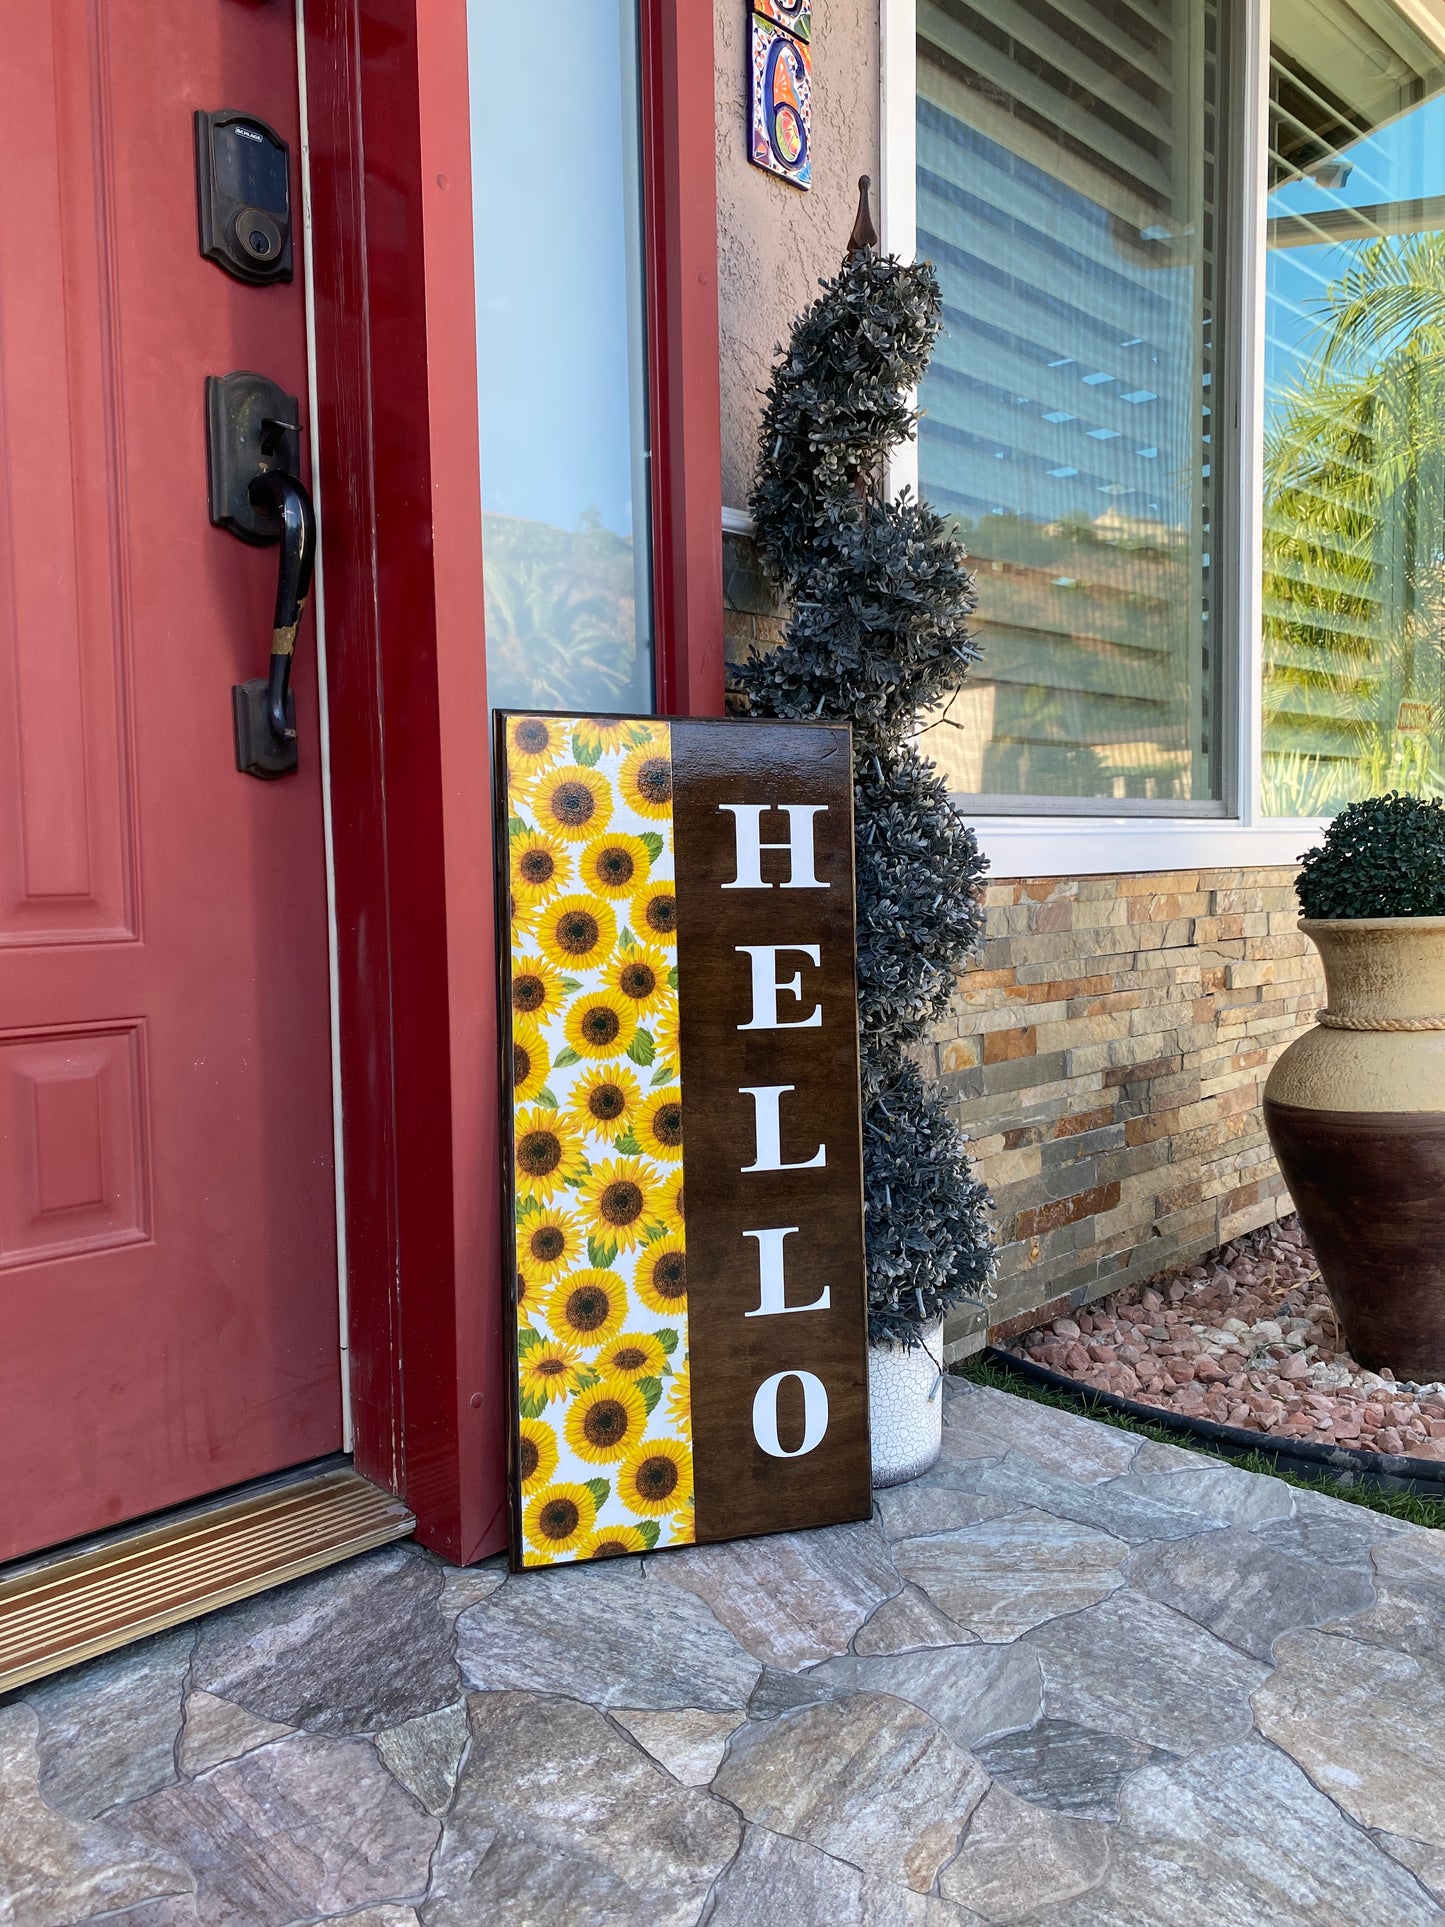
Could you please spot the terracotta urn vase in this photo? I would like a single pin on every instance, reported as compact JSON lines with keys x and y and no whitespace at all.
{"x":1355,"y":1110}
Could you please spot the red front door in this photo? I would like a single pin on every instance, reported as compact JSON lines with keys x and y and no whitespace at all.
{"x":168,"y":1303}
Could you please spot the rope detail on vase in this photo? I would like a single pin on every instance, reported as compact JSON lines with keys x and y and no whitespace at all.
{"x":1331,"y":1022}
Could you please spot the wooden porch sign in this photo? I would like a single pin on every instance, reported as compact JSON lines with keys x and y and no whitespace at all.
{"x":681,"y":1118}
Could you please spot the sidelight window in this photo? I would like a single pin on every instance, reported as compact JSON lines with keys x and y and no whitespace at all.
{"x":562,"y":354}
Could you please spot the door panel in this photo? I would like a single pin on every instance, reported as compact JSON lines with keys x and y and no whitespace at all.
{"x":65,"y":831}
{"x":167,"y":1234}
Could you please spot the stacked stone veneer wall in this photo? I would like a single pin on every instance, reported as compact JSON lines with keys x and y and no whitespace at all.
{"x":1107,"y":1058}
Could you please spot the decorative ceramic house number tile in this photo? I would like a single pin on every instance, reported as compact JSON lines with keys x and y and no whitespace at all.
{"x":780,"y":65}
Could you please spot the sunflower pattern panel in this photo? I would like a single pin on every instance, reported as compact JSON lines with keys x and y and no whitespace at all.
{"x":604,"y":1460}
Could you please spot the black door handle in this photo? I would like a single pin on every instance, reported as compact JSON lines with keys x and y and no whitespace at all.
{"x":253,"y":450}
{"x":275,"y":493}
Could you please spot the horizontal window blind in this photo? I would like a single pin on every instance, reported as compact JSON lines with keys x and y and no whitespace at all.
{"x":1066,"y":196}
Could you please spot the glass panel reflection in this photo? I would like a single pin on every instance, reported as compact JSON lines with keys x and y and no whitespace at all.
{"x":1354,"y":501}
{"x":562,"y":354}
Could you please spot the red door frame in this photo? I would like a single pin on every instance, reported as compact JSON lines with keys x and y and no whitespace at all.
{"x":401,"y":518}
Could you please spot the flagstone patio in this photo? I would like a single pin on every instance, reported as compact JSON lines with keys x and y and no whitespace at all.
{"x":1069,"y":1678}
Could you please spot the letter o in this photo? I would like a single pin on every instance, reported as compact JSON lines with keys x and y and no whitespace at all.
{"x":765,"y":1414}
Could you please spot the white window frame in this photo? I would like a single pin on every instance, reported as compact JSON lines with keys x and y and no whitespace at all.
{"x":1078,"y":844}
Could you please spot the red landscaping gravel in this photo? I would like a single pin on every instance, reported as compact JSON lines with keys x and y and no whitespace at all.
{"x":1247,"y":1338}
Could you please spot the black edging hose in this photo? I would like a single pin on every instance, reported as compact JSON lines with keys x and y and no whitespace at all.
{"x":1379,"y":1471}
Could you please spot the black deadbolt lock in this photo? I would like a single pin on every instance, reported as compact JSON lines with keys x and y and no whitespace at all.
{"x":243,"y":196}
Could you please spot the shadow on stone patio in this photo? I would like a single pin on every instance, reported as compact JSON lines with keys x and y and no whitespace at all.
{"x":1069,"y":1678}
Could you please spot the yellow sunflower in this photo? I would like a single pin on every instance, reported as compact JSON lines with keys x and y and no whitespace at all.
{"x":597,"y":734}
{"x":645,"y":780}
{"x":633,"y":1355}
{"x":548,"y":1242}
{"x":547,"y":1370}
{"x":621,"y":1197}
{"x":603,"y":1100}
{"x":536,"y":1453}
{"x":536,"y":989}
{"x":658,"y":1124}
{"x":558,"y":1520}
{"x":654,"y":911}
{"x":666,"y":1028}
{"x":605,"y":1421}
{"x":531,"y":1061}
{"x":656,"y":1477}
{"x":614,"y":1542}
{"x":600,"y":1024}
{"x":661,"y":1277}
{"x":679,"y":1399}
{"x":573,"y":801}
{"x":525,"y":1296}
{"x":670,"y":1200}
{"x":575,"y":932}
{"x":586,"y":1308}
{"x":534,"y":743}
{"x":641,"y":977}
{"x":615,"y":864}
{"x":549,"y":1154}
{"x":541,"y":866}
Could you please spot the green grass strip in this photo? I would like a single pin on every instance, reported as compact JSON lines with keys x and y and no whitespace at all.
{"x":1410,"y":1506}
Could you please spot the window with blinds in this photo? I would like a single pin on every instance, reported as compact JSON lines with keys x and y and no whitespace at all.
{"x":1354,"y":498}
{"x":1068,"y":196}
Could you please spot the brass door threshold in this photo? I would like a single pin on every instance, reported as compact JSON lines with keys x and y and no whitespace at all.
{"x":75,"y":1605}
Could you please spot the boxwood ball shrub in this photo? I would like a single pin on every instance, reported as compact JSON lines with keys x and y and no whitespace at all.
{"x":879,"y":631}
{"x":1384,"y":857}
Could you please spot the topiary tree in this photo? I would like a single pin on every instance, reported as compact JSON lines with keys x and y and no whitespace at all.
{"x":880,"y":600}
{"x":1384,"y":857}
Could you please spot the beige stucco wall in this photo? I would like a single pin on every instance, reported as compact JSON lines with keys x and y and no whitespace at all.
{"x":775,"y":241}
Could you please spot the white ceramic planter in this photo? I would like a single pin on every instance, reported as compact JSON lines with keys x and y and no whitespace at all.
{"x":905,"y":1407}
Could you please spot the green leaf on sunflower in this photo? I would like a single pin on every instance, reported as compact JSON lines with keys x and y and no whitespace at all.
{"x":663,"y":1072}
{"x":652,"y":843}
{"x":526,"y":1339}
{"x":672,"y":978}
{"x":667,"y":1338}
{"x":650,"y":1531}
{"x":651,"y":1390}
{"x":566,"y":1056}
{"x":571,"y":985}
{"x":546,"y":1099}
{"x":628,"y":1145}
{"x":636,"y":734}
{"x":625,"y":939}
{"x":517,"y":826}
{"x":588,"y":1375}
{"x":600,"y":1490}
{"x":641,"y":1050}
{"x":528,"y":1208}
{"x":600,"y":1254}
{"x":589,"y":754}
{"x":533,"y":1407}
